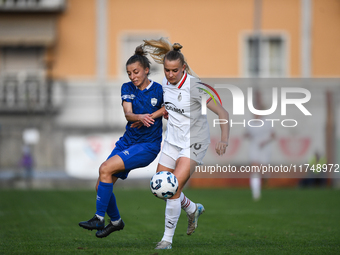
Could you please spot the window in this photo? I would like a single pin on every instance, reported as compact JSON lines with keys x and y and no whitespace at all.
{"x":265,"y":56}
{"x":15,"y":60}
{"x":32,"y":5}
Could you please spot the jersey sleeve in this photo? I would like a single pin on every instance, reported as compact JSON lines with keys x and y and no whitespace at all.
{"x":126,"y":93}
{"x":198,"y":91}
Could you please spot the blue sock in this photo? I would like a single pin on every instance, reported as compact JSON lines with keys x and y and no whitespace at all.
{"x":112,"y":209}
{"x":103,"y":197}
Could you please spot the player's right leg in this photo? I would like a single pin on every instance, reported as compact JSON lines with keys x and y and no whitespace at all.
{"x":173,"y":205}
{"x":255,"y":185}
{"x":105,"y":185}
{"x":172,"y":209}
{"x":134,"y":156}
{"x":116,"y":223}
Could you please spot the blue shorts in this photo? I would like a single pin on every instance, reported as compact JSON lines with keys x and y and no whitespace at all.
{"x":135,"y":156}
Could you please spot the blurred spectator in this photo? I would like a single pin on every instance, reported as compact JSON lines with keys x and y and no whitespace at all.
{"x":260,"y":138}
{"x":315,"y":177}
{"x":27,"y":164}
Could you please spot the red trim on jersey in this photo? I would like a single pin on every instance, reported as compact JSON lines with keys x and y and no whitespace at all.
{"x":181,"y":84}
{"x":210,"y":98}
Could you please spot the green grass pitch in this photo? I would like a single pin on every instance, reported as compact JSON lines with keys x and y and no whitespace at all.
{"x":288,"y":221}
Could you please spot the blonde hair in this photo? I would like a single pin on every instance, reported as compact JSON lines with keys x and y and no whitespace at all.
{"x":162,"y":49}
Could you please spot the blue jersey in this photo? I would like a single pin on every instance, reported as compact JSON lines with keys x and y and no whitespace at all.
{"x":144,"y":101}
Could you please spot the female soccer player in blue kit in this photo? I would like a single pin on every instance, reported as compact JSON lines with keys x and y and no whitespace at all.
{"x":187,"y":135}
{"x":142,"y":101}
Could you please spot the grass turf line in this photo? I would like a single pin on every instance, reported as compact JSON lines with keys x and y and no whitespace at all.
{"x":282,"y":222}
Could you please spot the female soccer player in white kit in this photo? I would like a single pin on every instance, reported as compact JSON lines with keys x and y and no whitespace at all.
{"x":259,"y":152}
{"x":187,"y":136}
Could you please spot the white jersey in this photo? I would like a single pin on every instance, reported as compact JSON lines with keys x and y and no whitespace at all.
{"x":186,"y":124}
{"x":258,"y":135}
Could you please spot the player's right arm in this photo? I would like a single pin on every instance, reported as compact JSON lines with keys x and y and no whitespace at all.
{"x":146,"y":119}
{"x":157,"y":114}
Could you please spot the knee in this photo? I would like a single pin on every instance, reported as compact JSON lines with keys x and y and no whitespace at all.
{"x":104,"y":169}
{"x":107,"y":169}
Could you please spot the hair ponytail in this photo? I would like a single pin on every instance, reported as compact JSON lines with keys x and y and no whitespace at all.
{"x":162,"y":49}
{"x":177,"y":47}
{"x":140,"y":50}
{"x":159,"y":48}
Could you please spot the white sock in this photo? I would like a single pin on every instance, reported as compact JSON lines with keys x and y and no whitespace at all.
{"x":187,"y":205}
{"x":100,"y":217}
{"x":172,"y":213}
{"x":255,"y":185}
{"x":115,"y":222}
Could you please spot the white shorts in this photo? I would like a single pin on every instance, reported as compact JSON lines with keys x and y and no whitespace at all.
{"x":170,"y":153}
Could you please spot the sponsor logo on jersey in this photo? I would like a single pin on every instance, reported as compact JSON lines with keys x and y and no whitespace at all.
{"x":153,"y":101}
{"x":171,"y":107}
{"x":132,"y":96}
{"x":126,"y":152}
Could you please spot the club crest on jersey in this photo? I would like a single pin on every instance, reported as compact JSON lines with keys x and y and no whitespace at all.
{"x":153,"y":101}
{"x":179,"y":97}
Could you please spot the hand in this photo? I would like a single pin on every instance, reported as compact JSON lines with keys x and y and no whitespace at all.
{"x":165,"y":115}
{"x":146,"y":119}
{"x":221,"y":147}
{"x":137,"y":124}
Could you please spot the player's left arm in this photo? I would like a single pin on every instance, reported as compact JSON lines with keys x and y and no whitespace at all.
{"x":225,"y":128}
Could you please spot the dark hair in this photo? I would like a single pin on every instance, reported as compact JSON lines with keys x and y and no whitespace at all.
{"x":175,"y":54}
{"x":140,"y":56}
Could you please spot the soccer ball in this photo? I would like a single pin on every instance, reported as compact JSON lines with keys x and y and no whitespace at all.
{"x":164,"y":184}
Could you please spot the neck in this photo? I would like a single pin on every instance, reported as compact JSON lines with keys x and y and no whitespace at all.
{"x":144,"y":84}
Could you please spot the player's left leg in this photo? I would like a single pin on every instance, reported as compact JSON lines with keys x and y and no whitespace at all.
{"x":186,"y":204}
{"x":193,"y":210}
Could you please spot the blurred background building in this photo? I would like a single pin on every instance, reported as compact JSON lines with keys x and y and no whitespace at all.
{"x":62,"y":63}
